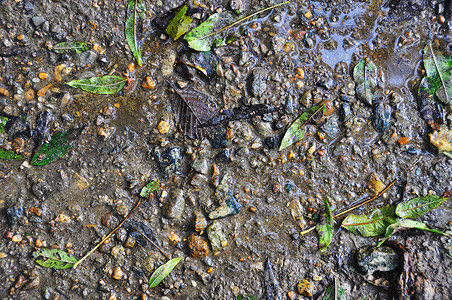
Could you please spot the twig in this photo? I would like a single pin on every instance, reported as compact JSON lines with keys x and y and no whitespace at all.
{"x":150,"y":241}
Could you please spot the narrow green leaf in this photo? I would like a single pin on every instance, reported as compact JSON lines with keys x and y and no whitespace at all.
{"x":373,"y":224}
{"x":149,"y":188}
{"x":439,"y":70}
{"x":109,"y":84}
{"x":448,"y":154}
{"x":163,"y":271}
{"x":55,"y":258}
{"x":77,"y":47}
{"x":3,"y":121}
{"x":296,"y":131}
{"x":365,"y":77}
{"x":326,"y":227}
{"x":179,"y":24}
{"x":198,"y":38}
{"x":334,"y":292}
{"x":404,"y":224}
{"x":136,"y":11}
{"x":418,"y":206}
{"x":10,"y":154}
{"x":245,"y":297}
{"x":51,"y":151}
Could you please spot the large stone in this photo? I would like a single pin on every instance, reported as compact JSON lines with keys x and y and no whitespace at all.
{"x":383,"y":259}
{"x":174,"y":208}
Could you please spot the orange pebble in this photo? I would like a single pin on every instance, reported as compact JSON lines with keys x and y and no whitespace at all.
{"x":404,"y":140}
{"x":43,"y":76}
{"x":4,"y":92}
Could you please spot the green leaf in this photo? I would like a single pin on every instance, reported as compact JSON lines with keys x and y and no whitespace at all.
{"x":334,"y":292}
{"x":373,"y":224}
{"x":326,"y":227}
{"x":179,"y":24}
{"x":55,"y":258}
{"x":109,"y":84}
{"x":296,"y":131}
{"x":429,"y":106}
{"x":365,"y":77}
{"x":404,"y":224}
{"x":245,"y":297}
{"x":51,"y":151}
{"x":150,"y":187}
{"x":10,"y":154}
{"x":3,"y":121}
{"x":439,"y":70}
{"x":163,"y":271}
{"x":203,"y":37}
{"x":418,"y":206}
{"x":77,"y":47}
{"x":136,"y":11}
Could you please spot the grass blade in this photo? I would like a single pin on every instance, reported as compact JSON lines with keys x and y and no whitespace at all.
{"x":163,"y":271}
{"x":136,"y":10}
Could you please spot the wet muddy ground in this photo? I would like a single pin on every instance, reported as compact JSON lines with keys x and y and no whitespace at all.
{"x":288,"y":58}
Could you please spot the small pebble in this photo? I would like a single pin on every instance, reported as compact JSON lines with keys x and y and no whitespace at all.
{"x":163,"y":127}
{"x":117,"y":273}
{"x":17,"y":238}
{"x":43,"y":76}
{"x":2,"y":255}
{"x":304,"y":287}
{"x":148,"y":83}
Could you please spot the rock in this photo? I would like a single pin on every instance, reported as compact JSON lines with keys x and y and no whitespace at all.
{"x":216,"y":236}
{"x":200,"y":165}
{"x":381,"y":116}
{"x":272,"y":142}
{"x":175,"y":205}
{"x":198,"y":246}
{"x":148,"y":264}
{"x":383,"y":259}
{"x":331,"y":127}
{"x":224,"y":156}
{"x":278,"y":43}
{"x":33,"y":283}
{"x":198,"y":180}
{"x":38,"y":20}
{"x":163,"y":127}
{"x":14,"y":213}
{"x":130,"y":242}
{"x":170,"y":160}
{"x":199,"y":222}
{"x":117,"y":273}
{"x":304,"y":287}
{"x":223,"y":195}
{"x":258,"y":82}
{"x":87,"y":58}
{"x":345,"y":110}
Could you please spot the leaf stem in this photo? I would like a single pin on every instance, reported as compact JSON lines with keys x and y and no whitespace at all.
{"x":150,"y":241}
{"x":241,"y":20}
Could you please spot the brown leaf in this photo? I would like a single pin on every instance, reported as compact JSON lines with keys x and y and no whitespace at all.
{"x":192,"y":109}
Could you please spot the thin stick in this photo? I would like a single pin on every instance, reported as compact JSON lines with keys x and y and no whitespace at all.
{"x":150,"y":241}
{"x":108,"y":236}
{"x":240,"y":21}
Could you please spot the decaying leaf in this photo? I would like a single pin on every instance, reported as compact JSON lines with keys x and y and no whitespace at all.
{"x":149,"y":188}
{"x":296,"y":131}
{"x":431,"y":110}
{"x":365,"y":77}
{"x":192,"y":109}
{"x":325,"y":228}
{"x":439,"y":71}
{"x":54,"y":258}
{"x":140,"y":232}
{"x":271,"y":284}
{"x":334,"y":292}
{"x":10,"y":154}
{"x":442,"y":139}
{"x":163,"y":271}
{"x":51,"y":151}
{"x":179,"y":24}
{"x":77,"y":47}
{"x":418,"y":206}
{"x":405,"y":224}
{"x":109,"y":84}
{"x":373,"y":224}
{"x":136,"y":12}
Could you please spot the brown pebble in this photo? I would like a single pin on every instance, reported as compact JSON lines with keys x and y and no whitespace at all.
{"x":253,"y":209}
{"x":99,"y":49}
{"x":148,"y":83}
{"x":328,"y":108}
{"x":304,"y":287}
{"x":4,"y":92}
{"x":131,"y":67}
{"x":18,"y":144}
{"x":198,"y":246}
{"x":403,"y":140}
{"x":163,"y":127}
{"x":42,"y":92}
{"x":33,"y":283}
{"x":299,"y":73}
{"x":19,"y":282}
{"x":199,"y":222}
{"x":43,"y":76}
{"x":16,"y":238}
{"x":30,"y":94}
{"x":276,"y":188}
{"x":117,"y":273}
{"x":173,"y":237}
{"x":38,"y":243}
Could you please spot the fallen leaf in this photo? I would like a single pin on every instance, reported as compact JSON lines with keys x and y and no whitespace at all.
{"x":55,"y":258}
{"x":418,"y":206}
{"x":51,"y":151}
{"x":365,"y":77}
{"x":77,"y":47}
{"x":163,"y":271}
{"x":10,"y":154}
{"x":334,"y":292}
{"x":136,"y":12}
{"x":326,"y":227}
{"x":179,"y":24}
{"x":149,"y":188}
{"x":109,"y":84}
{"x":3,"y":121}
{"x":373,"y":224}
{"x":431,"y":110}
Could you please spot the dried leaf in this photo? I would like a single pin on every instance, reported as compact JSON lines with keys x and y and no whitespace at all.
{"x":109,"y":84}
{"x":51,"y":151}
{"x":272,"y":289}
{"x":192,"y":109}
{"x":373,"y":224}
{"x":163,"y":271}
{"x":416,"y":207}
{"x":439,"y":71}
{"x":149,"y":188}
{"x":136,"y":12}
{"x":431,"y":110}
{"x":365,"y":77}
{"x":325,"y":228}
{"x":179,"y":24}
{"x":296,"y":131}
{"x":3,"y":121}
{"x":334,"y":292}
{"x":77,"y":47}
{"x":55,"y":258}
{"x":405,"y":224}
{"x":140,"y":232}
{"x":10,"y":154}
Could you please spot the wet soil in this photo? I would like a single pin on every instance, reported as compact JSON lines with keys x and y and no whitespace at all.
{"x":74,"y":202}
